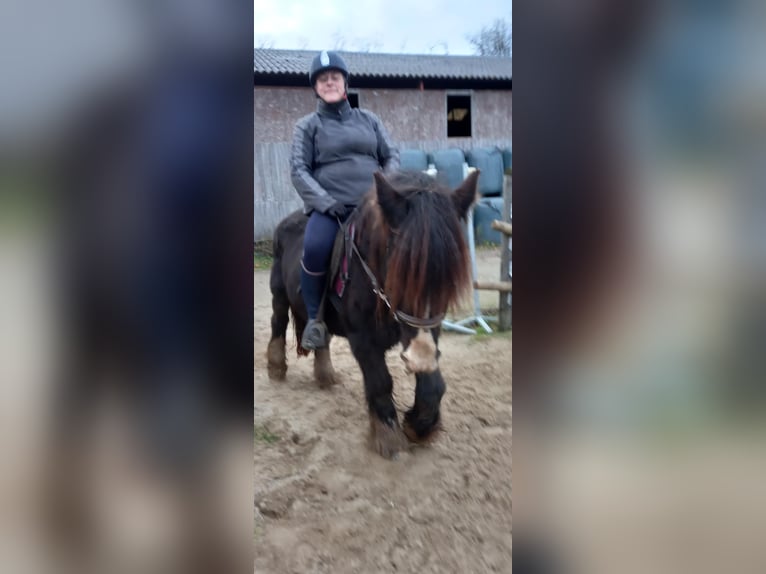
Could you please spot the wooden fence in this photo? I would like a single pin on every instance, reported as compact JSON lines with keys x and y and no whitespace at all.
{"x":274,"y":194}
{"x":504,"y":286}
{"x":504,"y":314}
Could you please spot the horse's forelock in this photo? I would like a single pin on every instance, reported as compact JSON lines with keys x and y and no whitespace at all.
{"x":428,"y":264}
{"x":425,"y":264}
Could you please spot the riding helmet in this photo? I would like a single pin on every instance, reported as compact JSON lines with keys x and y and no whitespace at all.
{"x":327,"y":61}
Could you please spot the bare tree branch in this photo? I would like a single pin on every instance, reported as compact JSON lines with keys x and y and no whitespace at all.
{"x":493,"y":40}
{"x":363,"y":45}
{"x":443,"y":45}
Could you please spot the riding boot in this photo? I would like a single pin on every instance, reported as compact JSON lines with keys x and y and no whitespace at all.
{"x":315,"y":333}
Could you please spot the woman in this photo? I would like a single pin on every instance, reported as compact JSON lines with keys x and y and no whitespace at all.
{"x":335,"y":151}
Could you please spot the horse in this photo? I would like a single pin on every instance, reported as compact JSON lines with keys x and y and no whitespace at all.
{"x":408,"y":264}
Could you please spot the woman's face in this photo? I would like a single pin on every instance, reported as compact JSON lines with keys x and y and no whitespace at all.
{"x":330,"y":86}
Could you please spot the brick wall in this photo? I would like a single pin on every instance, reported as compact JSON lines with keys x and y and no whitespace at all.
{"x":277,"y":110}
{"x":409,"y":115}
{"x":492,"y":114}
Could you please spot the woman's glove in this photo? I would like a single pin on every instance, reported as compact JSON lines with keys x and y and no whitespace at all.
{"x":338,"y":210}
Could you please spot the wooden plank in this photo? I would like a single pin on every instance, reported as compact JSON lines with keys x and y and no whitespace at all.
{"x":502,"y":286}
{"x":502,"y":226}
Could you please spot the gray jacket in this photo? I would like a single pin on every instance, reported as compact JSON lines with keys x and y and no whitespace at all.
{"x":335,"y":151}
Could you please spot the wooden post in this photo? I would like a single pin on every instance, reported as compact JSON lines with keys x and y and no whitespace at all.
{"x":504,"y":314}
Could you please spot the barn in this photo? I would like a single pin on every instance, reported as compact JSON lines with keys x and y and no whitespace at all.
{"x":428,"y":103}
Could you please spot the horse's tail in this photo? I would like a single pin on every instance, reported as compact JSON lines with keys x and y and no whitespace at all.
{"x":276,"y":244}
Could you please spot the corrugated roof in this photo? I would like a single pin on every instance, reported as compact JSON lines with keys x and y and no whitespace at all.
{"x":297,"y":62}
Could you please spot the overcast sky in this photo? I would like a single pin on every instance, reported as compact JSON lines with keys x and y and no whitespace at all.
{"x":391,"y":26}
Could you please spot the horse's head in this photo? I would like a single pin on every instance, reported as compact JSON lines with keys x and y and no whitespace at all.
{"x":425,"y":257}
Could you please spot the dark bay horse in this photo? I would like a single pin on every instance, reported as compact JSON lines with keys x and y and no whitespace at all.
{"x":409,"y":263}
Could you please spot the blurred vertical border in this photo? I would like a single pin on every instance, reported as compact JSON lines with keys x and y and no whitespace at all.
{"x":126,"y":294}
{"x":640,"y":273}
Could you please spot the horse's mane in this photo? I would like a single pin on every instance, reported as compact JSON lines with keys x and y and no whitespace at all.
{"x":423,"y":261}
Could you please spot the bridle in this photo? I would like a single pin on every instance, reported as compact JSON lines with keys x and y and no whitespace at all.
{"x":399,"y":316}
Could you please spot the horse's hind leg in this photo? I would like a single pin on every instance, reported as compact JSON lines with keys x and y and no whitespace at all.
{"x":277,"y":362}
{"x":386,"y":435}
{"x":323,"y":371}
{"x":423,"y":420}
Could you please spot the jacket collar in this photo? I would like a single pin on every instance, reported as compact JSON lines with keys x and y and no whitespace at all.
{"x":340,"y":110}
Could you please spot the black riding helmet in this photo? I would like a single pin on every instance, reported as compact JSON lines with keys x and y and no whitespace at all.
{"x":327,"y":61}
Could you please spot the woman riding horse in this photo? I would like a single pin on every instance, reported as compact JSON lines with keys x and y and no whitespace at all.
{"x":335,"y":151}
{"x":408,"y":264}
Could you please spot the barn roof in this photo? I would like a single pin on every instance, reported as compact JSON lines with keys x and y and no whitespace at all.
{"x":365,"y":64}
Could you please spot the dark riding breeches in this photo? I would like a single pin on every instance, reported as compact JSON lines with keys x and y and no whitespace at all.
{"x":317,"y":250}
{"x":317,"y":243}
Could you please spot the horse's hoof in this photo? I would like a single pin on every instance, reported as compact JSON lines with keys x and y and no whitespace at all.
{"x":327,"y":380}
{"x":323,"y":371}
{"x":419,"y":431}
{"x":387,"y":440}
{"x":277,"y":372}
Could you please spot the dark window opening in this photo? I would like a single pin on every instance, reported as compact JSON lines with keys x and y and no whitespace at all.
{"x":353,"y":100}
{"x":458,"y":116}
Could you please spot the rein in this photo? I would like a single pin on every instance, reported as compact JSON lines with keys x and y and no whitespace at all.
{"x":399,"y":316}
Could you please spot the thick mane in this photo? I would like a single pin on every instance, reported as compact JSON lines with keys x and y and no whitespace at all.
{"x":423,"y":262}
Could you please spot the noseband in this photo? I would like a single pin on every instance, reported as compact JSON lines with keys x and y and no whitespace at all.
{"x":399,"y":316}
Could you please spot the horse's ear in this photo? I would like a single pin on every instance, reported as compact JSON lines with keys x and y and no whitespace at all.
{"x":392,"y":204}
{"x":465,"y":194}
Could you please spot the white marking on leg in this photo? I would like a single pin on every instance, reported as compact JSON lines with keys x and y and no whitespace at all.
{"x":420,"y":354}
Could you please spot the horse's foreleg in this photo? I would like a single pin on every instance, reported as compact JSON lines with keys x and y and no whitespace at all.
{"x":323,"y":371}
{"x":277,"y":362}
{"x":386,"y":434}
{"x":423,"y":420}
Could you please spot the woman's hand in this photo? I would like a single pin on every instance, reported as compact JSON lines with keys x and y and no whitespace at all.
{"x":338,"y":210}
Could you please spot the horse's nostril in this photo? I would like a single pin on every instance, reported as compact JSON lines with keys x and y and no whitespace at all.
{"x":404,"y":357}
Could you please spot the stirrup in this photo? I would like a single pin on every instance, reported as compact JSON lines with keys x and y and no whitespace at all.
{"x":314,"y":335}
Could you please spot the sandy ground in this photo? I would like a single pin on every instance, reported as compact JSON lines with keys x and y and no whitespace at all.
{"x":324,"y":502}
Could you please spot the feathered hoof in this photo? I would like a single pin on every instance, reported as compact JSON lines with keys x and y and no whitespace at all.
{"x":277,"y":372}
{"x":387,"y":440}
{"x":324,"y":374}
{"x":277,"y":362}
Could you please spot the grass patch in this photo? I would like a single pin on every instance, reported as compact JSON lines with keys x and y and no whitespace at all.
{"x":262,"y":261}
{"x":487,"y":246}
{"x":263,"y":254}
{"x":26,"y":204}
{"x":262,"y":434}
{"x":481,"y":335}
